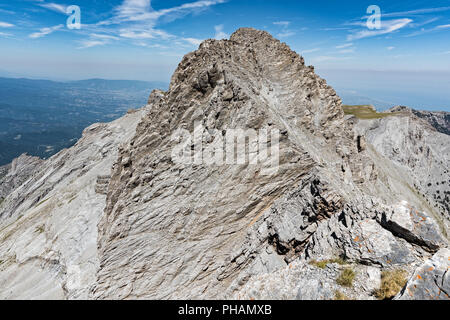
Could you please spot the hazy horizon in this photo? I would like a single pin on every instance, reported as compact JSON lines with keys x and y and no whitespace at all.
{"x":403,"y":60}
{"x":383,"y":89}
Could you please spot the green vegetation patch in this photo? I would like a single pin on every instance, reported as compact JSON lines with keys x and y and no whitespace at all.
{"x":367,"y":112}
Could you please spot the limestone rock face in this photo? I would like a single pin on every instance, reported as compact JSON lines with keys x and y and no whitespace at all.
{"x":48,"y":225}
{"x":12,"y":176}
{"x":199,"y":231}
{"x":139,"y":209}
{"x":187,"y":222}
{"x":422,"y":152}
{"x":431,"y":280}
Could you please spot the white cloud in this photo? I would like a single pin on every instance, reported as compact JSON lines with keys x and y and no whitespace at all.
{"x":141,"y":10}
{"x":424,"y":31}
{"x":335,"y":29}
{"x":7,"y":11}
{"x":414,"y":12}
{"x":138,"y":33}
{"x":220,"y":34}
{"x":137,"y":20}
{"x":390,"y":48}
{"x":310,"y":50}
{"x":5,"y":34}
{"x":286,"y":34}
{"x":92,"y":43}
{"x":193,"y":41}
{"x":6,"y":25}
{"x":387,"y":27}
{"x":423,"y":23}
{"x":97,"y":39}
{"x":54,"y":7}
{"x":45,"y":31}
{"x":349,"y":50}
{"x":329,"y":58}
{"x":104,"y":36}
{"x":282,"y":23}
{"x":345,"y":45}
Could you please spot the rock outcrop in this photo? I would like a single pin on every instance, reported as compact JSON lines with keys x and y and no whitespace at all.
{"x":48,"y":225}
{"x":14,"y":175}
{"x":416,"y":146}
{"x":119,"y":216}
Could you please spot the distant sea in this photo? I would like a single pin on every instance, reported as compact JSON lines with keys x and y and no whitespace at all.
{"x":385,"y":89}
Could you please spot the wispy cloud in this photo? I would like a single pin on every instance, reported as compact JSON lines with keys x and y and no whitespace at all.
{"x":97,"y":39}
{"x":143,"y":34}
{"x":345,"y":51}
{"x":414,"y":12}
{"x":434,"y":29}
{"x":390,"y":48}
{"x":7,"y":11}
{"x":285,"y":33}
{"x":193,"y":41}
{"x":103,"y":36}
{"x":345,"y":45}
{"x":91,"y":43}
{"x":282,"y":23}
{"x":53,"y":6}
{"x":335,"y":29}
{"x":423,"y":23}
{"x":220,"y":34}
{"x":310,"y":50}
{"x":45,"y":31}
{"x":6,"y":25}
{"x":444,"y":26}
{"x":329,"y":58}
{"x":136,"y":20}
{"x":387,"y":26}
{"x":141,"y":10}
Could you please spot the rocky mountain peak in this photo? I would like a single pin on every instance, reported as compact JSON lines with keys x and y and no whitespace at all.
{"x":238,"y":182}
{"x":254,"y":64}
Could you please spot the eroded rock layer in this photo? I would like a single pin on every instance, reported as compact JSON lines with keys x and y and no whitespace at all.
{"x":117,"y":217}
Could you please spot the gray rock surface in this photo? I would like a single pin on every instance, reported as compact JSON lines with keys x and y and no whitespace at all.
{"x":48,"y":225}
{"x":14,"y":175}
{"x":431,"y":281}
{"x":422,"y":153}
{"x":115,"y":217}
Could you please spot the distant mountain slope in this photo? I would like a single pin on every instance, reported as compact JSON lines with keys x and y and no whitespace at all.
{"x":41,"y":117}
{"x":439,"y":120}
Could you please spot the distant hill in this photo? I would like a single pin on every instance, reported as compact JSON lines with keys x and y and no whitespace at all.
{"x":41,"y":117}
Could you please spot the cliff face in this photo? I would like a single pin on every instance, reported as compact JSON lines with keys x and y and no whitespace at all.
{"x":48,"y":224}
{"x":415,"y":141}
{"x":14,"y":175}
{"x":148,"y":223}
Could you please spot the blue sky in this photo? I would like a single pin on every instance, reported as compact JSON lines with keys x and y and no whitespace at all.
{"x":145,"y":40}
